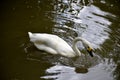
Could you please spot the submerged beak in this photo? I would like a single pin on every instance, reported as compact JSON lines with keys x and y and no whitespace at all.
{"x":90,"y":51}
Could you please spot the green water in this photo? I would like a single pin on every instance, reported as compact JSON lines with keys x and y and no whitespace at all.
{"x":97,"y":21}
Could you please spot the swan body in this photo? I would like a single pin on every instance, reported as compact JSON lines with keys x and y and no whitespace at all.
{"x":56,"y":45}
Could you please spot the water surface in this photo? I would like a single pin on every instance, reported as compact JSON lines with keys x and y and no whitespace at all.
{"x":96,"y":21}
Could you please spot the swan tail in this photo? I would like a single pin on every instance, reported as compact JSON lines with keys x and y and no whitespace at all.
{"x":32,"y":39}
{"x":30,"y":34}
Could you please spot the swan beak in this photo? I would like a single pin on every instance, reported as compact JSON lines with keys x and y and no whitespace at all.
{"x":90,"y":51}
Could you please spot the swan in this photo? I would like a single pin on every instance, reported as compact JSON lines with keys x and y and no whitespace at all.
{"x":56,"y":45}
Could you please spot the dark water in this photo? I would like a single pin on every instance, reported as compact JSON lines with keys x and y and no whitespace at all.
{"x":98,"y":21}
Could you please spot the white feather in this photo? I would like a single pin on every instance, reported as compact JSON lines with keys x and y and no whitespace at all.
{"x":55,"y":45}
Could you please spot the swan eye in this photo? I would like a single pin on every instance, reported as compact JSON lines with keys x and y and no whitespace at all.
{"x":89,"y":49}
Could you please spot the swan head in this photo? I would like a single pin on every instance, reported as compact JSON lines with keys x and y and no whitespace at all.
{"x":88,"y":46}
{"x":90,"y":51}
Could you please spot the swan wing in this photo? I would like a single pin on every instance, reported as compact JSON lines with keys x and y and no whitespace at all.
{"x":51,"y":43}
{"x":45,"y":48}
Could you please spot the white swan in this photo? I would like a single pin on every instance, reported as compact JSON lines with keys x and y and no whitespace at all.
{"x":55,"y":45}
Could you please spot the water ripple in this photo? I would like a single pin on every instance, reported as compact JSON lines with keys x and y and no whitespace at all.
{"x":90,"y":23}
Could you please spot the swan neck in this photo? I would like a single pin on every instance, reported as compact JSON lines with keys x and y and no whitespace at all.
{"x":75,"y":48}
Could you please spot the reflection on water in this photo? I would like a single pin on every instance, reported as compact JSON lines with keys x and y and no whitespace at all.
{"x":96,"y":30}
{"x":89,"y":22}
{"x":96,"y":21}
{"x":100,"y":72}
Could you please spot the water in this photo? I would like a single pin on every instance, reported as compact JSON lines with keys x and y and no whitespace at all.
{"x":96,"y":21}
